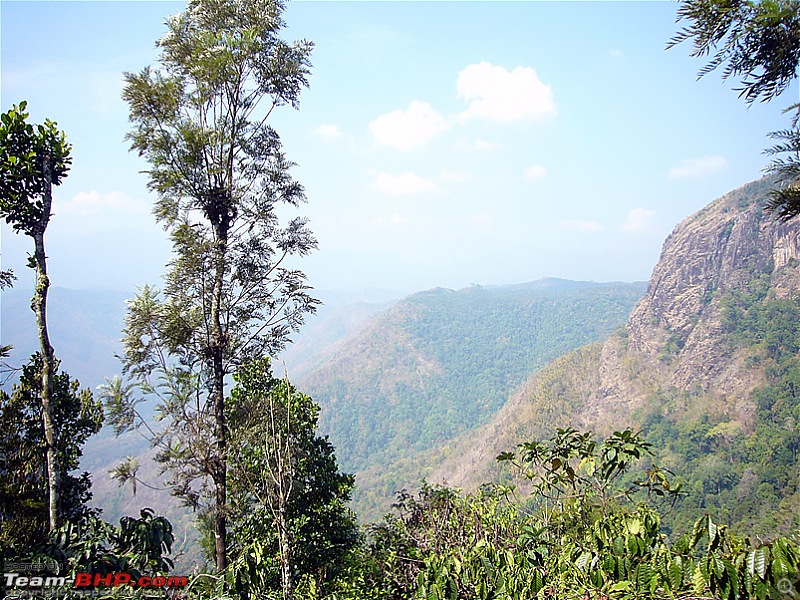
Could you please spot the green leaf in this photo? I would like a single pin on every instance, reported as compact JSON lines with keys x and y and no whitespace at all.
{"x":699,"y":528}
{"x":619,"y":545}
{"x":621,"y":586}
{"x":633,"y":546}
{"x":634,"y":526}
{"x":761,"y":559}
{"x":718,"y":567}
{"x":675,"y":575}
{"x":583,"y":560}
{"x":713,"y":532}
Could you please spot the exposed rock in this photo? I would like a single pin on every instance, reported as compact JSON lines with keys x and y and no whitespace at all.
{"x":674,"y":345}
{"x":719,"y":249}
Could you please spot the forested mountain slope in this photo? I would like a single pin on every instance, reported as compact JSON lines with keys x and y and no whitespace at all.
{"x":441,"y":362}
{"x":707,"y":366}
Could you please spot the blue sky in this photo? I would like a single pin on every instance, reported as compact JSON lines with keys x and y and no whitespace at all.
{"x":440,"y":143}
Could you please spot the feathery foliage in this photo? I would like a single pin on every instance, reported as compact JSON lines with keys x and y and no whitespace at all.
{"x":757,"y":42}
{"x":216,"y":165}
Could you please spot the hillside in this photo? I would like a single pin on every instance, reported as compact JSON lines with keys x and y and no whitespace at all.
{"x":413,"y":375}
{"x":707,"y":366}
{"x":441,"y":362}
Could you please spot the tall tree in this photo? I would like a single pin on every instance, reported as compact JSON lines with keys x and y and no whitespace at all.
{"x":32,"y":160}
{"x":758,"y":43}
{"x":200,"y":120}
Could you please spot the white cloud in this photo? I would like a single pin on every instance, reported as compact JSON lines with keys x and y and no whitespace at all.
{"x":328,"y":133}
{"x":639,"y":220}
{"x":92,"y":211}
{"x":697,"y":167}
{"x":403,"y":184}
{"x":480,"y":146}
{"x":535,"y":173}
{"x":495,"y":94}
{"x":410,"y":128}
{"x":616,"y":53}
{"x":579,"y":225}
{"x":458,"y":176}
{"x":491,"y":92}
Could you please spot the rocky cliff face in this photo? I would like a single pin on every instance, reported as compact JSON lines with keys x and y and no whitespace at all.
{"x":725,"y":247}
{"x":674,"y":344}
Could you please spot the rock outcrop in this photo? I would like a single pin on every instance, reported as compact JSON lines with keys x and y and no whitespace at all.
{"x":674,"y":344}
{"x":725,"y":247}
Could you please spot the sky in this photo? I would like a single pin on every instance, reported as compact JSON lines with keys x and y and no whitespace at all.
{"x":439,"y":143}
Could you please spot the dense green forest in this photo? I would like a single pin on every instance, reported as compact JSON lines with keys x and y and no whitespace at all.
{"x":443,"y":361}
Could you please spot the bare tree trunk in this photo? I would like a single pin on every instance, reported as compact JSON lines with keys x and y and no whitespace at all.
{"x":283,"y":479}
{"x":39,"y":307}
{"x":220,"y":469}
{"x":219,"y":347}
{"x":287,"y":581}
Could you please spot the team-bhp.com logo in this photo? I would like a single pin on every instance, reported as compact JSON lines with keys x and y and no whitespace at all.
{"x":25,"y":583}
{"x":87,"y":580}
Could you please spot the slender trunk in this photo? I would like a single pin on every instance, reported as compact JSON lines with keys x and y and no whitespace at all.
{"x":283,"y":479}
{"x":287,"y":582}
{"x":220,"y":475}
{"x":219,"y":345}
{"x":283,"y":482}
{"x":39,"y":307}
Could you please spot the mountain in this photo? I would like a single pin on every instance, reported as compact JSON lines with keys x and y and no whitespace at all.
{"x":86,"y":328}
{"x":441,"y":362}
{"x":707,"y":367}
{"x":439,"y":383}
{"x":339,"y":316}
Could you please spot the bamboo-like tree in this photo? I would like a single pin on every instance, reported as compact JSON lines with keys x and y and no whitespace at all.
{"x":34,"y":158}
{"x":201,"y":121}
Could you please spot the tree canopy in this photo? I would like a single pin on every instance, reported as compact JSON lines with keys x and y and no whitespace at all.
{"x":24,"y":486}
{"x":756,"y":42}
{"x":288,"y":497}
{"x":32,"y":158}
